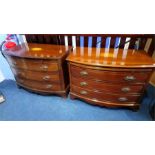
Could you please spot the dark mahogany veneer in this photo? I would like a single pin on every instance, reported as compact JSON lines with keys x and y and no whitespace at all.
{"x":109,"y":77}
{"x":40,"y":68}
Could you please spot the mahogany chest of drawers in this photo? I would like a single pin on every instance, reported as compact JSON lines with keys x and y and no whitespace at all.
{"x":112,"y":78}
{"x":40,"y":68}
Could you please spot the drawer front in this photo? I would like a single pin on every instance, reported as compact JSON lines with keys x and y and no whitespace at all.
{"x":36,"y":75}
{"x":13,"y":61}
{"x":39,"y":85}
{"x":111,"y":76}
{"x":102,"y":96}
{"x":103,"y":86}
{"x":33,"y":64}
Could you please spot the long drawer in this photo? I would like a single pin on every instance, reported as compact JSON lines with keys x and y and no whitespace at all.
{"x":103,"y":86}
{"x":36,"y":75}
{"x":111,"y":76}
{"x":39,"y":85}
{"x":102,"y":96}
{"x":33,"y":64}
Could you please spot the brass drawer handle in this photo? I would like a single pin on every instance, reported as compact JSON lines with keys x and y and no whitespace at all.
{"x":83,"y":84}
{"x":49,"y":86}
{"x":21,"y":81}
{"x":129,"y":78}
{"x":98,"y":80}
{"x":96,"y":91}
{"x":122,"y":99}
{"x":94,"y":99}
{"x":47,"y":77}
{"x":125,"y":89}
{"x":21,"y":73}
{"x":83,"y":92}
{"x":83,"y":73}
{"x":14,"y":62}
{"x":44,"y":67}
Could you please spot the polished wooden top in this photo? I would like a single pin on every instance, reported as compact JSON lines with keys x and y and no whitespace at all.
{"x":44,"y":51}
{"x":111,"y":57}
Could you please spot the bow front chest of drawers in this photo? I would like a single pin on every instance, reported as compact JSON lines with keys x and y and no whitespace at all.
{"x":40,"y":68}
{"x":109,"y":77}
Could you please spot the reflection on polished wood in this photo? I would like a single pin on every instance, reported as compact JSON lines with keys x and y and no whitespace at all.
{"x":44,"y":51}
{"x":40,"y":68}
{"x":111,"y":57}
{"x":109,"y":77}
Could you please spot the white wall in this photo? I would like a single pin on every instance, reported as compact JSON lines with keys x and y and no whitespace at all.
{"x":5,"y":71}
{"x":1,"y":76}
